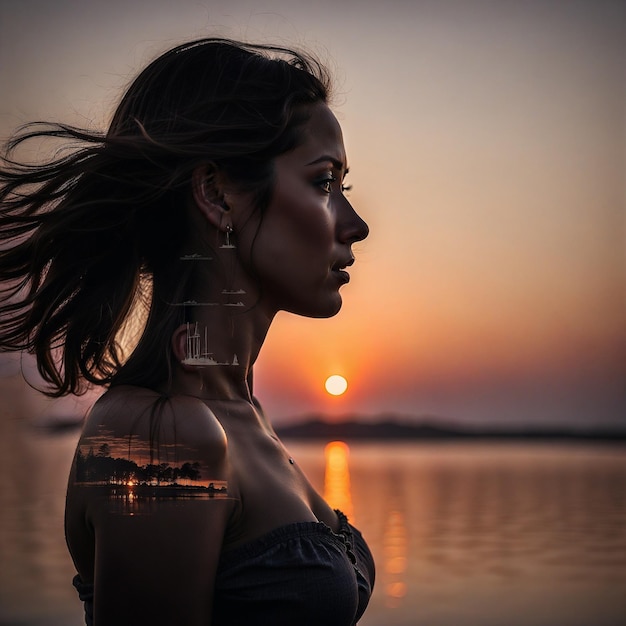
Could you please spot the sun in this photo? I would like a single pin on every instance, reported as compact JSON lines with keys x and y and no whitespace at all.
{"x":336,"y":385}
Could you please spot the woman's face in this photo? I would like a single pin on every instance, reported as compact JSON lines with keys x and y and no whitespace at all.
{"x":299,"y":248}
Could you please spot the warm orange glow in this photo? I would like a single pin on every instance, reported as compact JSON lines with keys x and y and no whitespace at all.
{"x":461,"y":288}
{"x":396,"y":590}
{"x":337,"y":478}
{"x":336,"y":385}
{"x":395,"y":563}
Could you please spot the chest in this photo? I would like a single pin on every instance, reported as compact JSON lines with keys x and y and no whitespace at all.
{"x":271,"y":488}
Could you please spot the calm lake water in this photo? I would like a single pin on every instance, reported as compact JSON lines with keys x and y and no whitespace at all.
{"x":463,"y":534}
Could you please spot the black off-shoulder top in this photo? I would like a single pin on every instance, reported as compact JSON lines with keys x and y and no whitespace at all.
{"x":302,"y":573}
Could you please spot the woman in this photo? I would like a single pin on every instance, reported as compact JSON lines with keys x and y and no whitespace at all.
{"x":214,"y":201}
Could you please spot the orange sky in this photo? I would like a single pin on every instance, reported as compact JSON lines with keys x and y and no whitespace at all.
{"x":486,"y":142}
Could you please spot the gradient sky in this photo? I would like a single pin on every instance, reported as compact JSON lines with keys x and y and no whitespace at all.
{"x":487,"y":146}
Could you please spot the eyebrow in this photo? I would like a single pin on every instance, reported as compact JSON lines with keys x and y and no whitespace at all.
{"x":337,"y":164}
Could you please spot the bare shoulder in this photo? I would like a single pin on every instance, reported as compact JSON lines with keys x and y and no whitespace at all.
{"x":149,"y":500}
{"x":137,"y":441}
{"x":145,"y":415}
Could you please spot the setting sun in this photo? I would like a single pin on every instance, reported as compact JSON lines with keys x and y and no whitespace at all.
{"x":336,"y":385}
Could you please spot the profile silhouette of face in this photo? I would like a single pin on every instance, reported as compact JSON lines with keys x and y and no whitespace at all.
{"x":299,"y":247}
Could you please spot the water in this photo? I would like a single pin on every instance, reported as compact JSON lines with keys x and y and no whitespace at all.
{"x":463,"y":534}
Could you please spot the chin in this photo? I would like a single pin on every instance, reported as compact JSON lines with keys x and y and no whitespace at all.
{"x":330,"y":308}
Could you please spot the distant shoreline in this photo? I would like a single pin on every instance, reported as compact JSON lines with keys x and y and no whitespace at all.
{"x":404,"y":429}
{"x":392,"y":430}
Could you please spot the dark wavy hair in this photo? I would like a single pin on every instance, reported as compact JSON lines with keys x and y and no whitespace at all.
{"x":87,"y":234}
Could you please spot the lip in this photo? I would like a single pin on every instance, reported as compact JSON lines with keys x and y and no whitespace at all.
{"x":338,"y":269}
{"x":343,"y":263}
{"x":342,"y":275}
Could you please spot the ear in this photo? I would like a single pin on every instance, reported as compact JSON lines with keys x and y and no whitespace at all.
{"x":179,"y":342}
{"x":208,"y":195}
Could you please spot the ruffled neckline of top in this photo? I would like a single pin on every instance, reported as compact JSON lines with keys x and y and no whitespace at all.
{"x":294,"y":530}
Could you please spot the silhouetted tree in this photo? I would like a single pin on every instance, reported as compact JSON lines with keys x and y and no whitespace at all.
{"x":190,"y":471}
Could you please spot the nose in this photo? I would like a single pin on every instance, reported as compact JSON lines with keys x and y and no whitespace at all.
{"x":351,"y":227}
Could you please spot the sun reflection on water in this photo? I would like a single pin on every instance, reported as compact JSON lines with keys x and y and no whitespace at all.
{"x":337,"y":478}
{"x":395,"y":558}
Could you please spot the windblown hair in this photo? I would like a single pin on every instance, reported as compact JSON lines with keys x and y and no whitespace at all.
{"x":86,"y":234}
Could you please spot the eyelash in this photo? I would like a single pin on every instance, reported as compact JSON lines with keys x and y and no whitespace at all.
{"x":329,"y":181}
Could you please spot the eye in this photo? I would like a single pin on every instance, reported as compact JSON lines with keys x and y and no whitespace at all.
{"x":325,"y":184}
{"x":346,"y":188}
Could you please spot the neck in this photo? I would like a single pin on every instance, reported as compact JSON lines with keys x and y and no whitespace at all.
{"x":225,"y":328}
{"x":220,"y":355}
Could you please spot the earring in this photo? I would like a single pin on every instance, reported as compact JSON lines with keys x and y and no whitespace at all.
{"x":228,"y":243}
